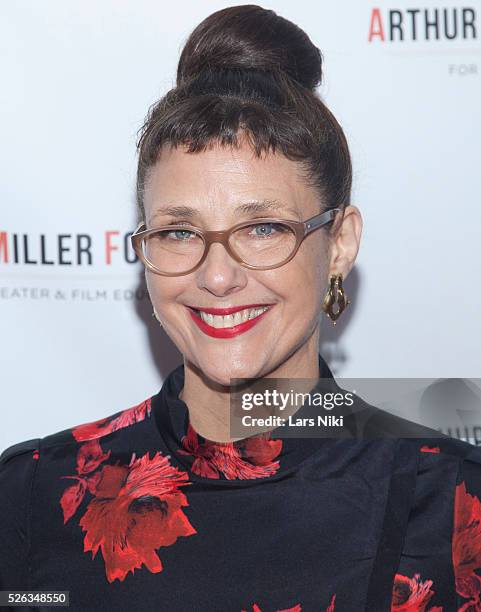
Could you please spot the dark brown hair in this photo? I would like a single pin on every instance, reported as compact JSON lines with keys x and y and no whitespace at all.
{"x":246,"y":70}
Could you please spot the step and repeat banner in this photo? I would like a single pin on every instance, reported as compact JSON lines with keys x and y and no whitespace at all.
{"x":77,"y":338}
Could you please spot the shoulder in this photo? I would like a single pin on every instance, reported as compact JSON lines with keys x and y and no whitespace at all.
{"x":17,"y":465}
{"x":23,"y":456}
{"x":377,"y":423}
{"x":104,"y":426}
{"x":20,"y":448}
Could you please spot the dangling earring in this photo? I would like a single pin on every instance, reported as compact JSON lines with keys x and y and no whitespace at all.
{"x":155,"y":316}
{"x":335,"y":294}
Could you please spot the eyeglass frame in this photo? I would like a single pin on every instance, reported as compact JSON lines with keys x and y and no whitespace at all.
{"x":301,"y":230}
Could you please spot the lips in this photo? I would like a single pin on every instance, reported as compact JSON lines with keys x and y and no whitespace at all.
{"x":227,"y":332}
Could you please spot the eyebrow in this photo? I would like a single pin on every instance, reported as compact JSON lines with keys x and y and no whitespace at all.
{"x":258,"y":206}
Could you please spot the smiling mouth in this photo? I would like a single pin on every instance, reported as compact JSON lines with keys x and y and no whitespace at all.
{"x":231,"y":320}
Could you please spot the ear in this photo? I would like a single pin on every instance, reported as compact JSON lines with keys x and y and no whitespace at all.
{"x":345,"y":242}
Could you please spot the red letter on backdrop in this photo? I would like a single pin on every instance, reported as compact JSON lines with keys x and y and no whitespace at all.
{"x":3,"y":247}
{"x":109,"y":247}
{"x":375,"y":29}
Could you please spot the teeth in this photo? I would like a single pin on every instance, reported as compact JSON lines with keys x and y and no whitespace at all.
{"x":241,"y":316}
{"x":237,"y":318}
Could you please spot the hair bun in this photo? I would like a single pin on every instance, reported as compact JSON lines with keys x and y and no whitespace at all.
{"x":249,"y":36}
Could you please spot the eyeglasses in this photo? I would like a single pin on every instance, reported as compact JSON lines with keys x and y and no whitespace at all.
{"x":260,"y":244}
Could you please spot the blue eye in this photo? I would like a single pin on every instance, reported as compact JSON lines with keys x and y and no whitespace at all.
{"x":181,"y":234}
{"x":267,"y":229}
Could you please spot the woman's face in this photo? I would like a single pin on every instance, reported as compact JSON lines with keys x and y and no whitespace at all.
{"x":215,"y":183}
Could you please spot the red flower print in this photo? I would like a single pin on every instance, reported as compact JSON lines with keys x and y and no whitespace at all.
{"x":136,"y":510}
{"x":427,"y":449}
{"x":411,"y":595}
{"x":102,"y":427}
{"x":470,"y":588}
{"x":243,"y":459}
{"x":261,"y":450}
{"x":331,"y":605}
{"x":89,"y":457}
{"x":467,"y":547}
{"x":296,"y":608}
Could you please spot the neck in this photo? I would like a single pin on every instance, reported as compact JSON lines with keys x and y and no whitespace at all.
{"x":208,"y":402}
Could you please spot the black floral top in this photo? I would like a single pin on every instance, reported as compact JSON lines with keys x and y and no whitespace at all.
{"x":138,"y":512}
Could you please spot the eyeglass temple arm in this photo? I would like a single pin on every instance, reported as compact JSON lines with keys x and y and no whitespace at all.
{"x":320,"y":220}
{"x":137,"y":229}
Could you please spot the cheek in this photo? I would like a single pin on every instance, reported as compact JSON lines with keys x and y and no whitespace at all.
{"x":162,"y":289}
{"x":299,"y":292}
{"x":301,"y":281}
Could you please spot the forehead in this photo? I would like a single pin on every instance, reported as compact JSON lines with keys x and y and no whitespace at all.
{"x":225,"y":176}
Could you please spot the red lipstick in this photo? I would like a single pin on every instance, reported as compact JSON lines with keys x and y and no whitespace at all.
{"x":226,"y":332}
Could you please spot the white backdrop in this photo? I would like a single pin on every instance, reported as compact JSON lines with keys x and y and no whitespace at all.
{"x":78,"y":341}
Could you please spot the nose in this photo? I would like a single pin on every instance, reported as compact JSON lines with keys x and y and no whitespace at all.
{"x":220,"y":274}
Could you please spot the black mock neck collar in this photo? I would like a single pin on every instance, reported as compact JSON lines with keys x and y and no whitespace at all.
{"x":260,"y":457}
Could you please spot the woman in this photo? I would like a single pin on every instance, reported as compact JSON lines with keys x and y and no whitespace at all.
{"x":246,"y":231}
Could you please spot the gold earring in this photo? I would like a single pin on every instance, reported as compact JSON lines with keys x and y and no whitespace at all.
{"x":335,"y":294}
{"x":154,"y":315}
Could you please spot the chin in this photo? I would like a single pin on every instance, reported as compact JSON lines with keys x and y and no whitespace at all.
{"x":223,"y":373}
